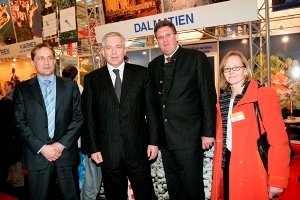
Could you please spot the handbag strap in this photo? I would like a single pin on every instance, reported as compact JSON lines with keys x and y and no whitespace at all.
{"x":257,"y":115}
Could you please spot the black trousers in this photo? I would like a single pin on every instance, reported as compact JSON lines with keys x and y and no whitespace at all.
{"x":184,"y":173}
{"x":40,"y":182}
{"x":115,"y":181}
{"x":226,"y":175}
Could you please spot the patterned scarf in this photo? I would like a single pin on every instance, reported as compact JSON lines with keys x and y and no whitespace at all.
{"x":224,"y":106}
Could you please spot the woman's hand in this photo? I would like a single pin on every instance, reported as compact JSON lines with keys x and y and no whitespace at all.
{"x":273,"y":191}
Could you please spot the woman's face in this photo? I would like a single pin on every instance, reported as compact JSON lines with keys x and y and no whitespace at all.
{"x":234,"y":71}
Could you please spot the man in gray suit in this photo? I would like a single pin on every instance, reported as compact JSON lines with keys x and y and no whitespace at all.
{"x":49,"y":148}
{"x":183,"y":83}
{"x":120,"y":122}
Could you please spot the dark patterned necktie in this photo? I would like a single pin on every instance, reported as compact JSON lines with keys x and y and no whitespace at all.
{"x":118,"y":83}
{"x":168,"y":59}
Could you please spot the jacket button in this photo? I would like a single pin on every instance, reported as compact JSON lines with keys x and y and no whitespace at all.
{"x":164,"y":106}
{"x":166,"y":120}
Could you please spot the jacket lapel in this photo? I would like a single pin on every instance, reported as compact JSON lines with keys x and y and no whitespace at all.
{"x":60,"y":89}
{"x":35,"y":89}
{"x":169,"y":77}
{"x":128,"y":78}
{"x":107,"y":82}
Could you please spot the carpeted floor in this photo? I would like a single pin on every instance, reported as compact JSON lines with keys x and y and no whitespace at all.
{"x":293,"y":190}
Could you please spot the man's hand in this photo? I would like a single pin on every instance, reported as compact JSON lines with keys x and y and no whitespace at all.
{"x":207,"y":142}
{"x":273,"y":191}
{"x":97,"y":157}
{"x":50,"y":153}
{"x":59,"y":147}
{"x":152,"y":151}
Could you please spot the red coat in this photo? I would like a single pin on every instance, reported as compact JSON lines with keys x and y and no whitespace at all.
{"x":248,"y":179}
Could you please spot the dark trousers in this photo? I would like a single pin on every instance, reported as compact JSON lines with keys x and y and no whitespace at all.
{"x":116,"y":183}
{"x":184,"y":173}
{"x":40,"y":182}
{"x":226,"y":175}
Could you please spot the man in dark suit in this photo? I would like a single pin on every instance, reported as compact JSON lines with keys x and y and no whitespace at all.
{"x":183,"y":83}
{"x":120,"y":122}
{"x":48,"y":149}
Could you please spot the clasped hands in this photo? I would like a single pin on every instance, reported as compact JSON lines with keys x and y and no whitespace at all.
{"x":52,"y":151}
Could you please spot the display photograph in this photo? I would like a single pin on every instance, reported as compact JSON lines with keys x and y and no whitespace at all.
{"x":121,"y":10}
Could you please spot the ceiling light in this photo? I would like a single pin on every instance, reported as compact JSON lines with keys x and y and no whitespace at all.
{"x":285,"y":39}
{"x":296,"y":72}
{"x":14,"y":60}
{"x":244,"y":41}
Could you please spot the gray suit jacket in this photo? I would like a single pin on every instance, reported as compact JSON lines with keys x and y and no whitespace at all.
{"x":32,"y":126}
{"x":124,"y":128}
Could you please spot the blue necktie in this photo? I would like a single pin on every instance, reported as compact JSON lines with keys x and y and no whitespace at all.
{"x":50,"y":107}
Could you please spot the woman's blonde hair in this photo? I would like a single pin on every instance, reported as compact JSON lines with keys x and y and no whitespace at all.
{"x":224,"y":85}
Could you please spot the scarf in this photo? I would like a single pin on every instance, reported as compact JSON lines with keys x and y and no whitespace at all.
{"x":224,"y":107}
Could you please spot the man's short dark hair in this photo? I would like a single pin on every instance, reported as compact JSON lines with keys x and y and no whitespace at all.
{"x":70,"y":72}
{"x":39,"y":46}
{"x":164,"y":23}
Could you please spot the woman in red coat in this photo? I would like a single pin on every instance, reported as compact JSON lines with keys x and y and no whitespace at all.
{"x":238,"y":172}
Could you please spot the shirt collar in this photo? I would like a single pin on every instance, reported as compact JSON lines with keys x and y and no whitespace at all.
{"x":41,"y":79}
{"x":172,"y":53}
{"x":121,"y":67}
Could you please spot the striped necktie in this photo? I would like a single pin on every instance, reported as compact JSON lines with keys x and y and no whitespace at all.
{"x":50,"y":107}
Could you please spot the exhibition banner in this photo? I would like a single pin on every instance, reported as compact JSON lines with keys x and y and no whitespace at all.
{"x":18,"y":49}
{"x":116,"y":10}
{"x":67,"y":21}
{"x":7,"y":35}
{"x":49,"y":17}
{"x":26,"y":17}
{"x":227,"y":12}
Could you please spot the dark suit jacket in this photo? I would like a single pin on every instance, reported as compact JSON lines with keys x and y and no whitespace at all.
{"x":187,"y":108}
{"x":31,"y":121}
{"x":115,"y":128}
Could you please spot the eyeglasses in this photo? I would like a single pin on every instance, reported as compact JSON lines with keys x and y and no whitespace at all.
{"x":234,"y":68}
{"x":167,"y":36}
